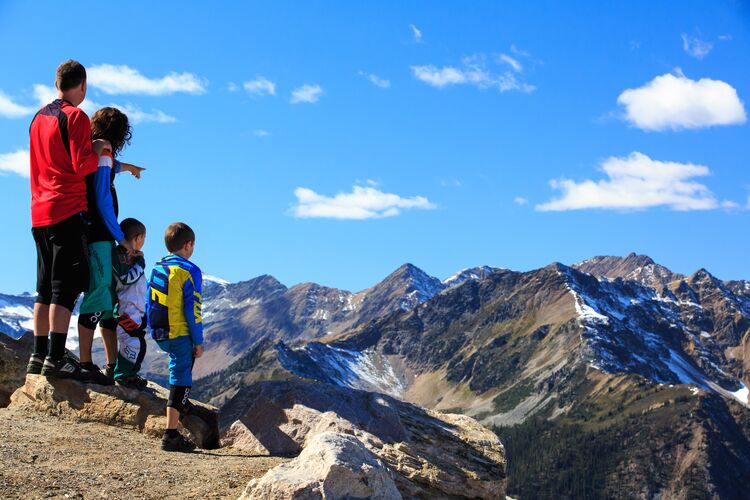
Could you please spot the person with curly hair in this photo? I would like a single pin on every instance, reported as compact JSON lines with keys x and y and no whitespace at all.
{"x":97,"y":307}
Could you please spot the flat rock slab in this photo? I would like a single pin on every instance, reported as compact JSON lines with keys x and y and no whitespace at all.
{"x":44,"y":456}
{"x":115,"y":405}
{"x":432,"y":455}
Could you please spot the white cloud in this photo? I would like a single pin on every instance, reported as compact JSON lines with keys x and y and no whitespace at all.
{"x":520,"y":200}
{"x":261,"y":133}
{"x":696,"y":47}
{"x":306,"y":93}
{"x":362,"y":203}
{"x":677,"y":102}
{"x":112,"y":79}
{"x":416,"y":33}
{"x":636,"y":182}
{"x":137,"y":115}
{"x":512,"y":62}
{"x":261,"y":86}
{"x":15,"y":163}
{"x":376,"y":80}
{"x":11,"y":109}
{"x":232,"y":87}
{"x":44,"y":94}
{"x":473,"y":71}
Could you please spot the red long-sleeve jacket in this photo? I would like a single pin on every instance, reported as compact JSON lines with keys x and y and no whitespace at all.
{"x":61,"y":157}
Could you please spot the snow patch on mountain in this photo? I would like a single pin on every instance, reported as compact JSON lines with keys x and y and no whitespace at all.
{"x":627,"y":327}
{"x":469,"y":273}
{"x":16,"y":314}
{"x":365,"y":370}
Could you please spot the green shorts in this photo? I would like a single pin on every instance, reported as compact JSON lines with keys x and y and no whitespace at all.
{"x":99,"y":296}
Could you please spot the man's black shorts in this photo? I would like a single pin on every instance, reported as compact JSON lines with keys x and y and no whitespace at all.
{"x":62,"y":269}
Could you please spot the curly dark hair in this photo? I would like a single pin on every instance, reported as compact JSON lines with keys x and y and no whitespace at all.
{"x":112,"y":125}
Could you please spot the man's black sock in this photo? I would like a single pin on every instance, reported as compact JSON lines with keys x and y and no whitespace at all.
{"x":57,"y":344}
{"x":171,"y":433}
{"x":88,"y":365}
{"x":40,"y":345}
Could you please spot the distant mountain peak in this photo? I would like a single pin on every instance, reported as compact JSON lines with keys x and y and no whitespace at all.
{"x":469,"y":273}
{"x":637,"y":267}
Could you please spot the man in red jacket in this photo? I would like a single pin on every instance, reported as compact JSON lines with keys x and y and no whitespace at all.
{"x":61,"y":154}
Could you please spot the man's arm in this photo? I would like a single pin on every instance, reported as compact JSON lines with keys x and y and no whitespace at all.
{"x":85,"y":160}
{"x":192,"y":299}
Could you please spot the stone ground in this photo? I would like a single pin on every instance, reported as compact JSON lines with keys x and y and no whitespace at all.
{"x":42,"y":456}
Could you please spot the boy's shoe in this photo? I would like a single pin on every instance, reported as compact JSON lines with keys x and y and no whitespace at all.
{"x":109,"y":371}
{"x":91,"y":373}
{"x":132,"y":382}
{"x":63,"y":368}
{"x":177,"y":443}
{"x":34,"y":367}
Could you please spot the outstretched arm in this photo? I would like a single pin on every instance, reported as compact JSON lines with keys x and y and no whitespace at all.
{"x":104,"y":203}
{"x":134,"y":170}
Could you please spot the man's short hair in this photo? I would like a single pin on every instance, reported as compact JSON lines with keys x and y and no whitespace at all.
{"x":70,"y":75}
{"x":176,"y":235}
{"x":132,"y":228}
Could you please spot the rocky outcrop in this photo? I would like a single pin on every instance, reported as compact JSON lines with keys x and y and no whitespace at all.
{"x":13,"y":357}
{"x":432,"y":455}
{"x":332,"y":465}
{"x":116,"y":405}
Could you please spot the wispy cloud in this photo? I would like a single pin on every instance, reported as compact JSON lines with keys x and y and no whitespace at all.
{"x":15,"y":163}
{"x":12,"y":109}
{"x":261,"y":133}
{"x":512,"y":62}
{"x":376,"y":80}
{"x":695,"y":46}
{"x":261,"y":86}
{"x":137,"y":115}
{"x":520,"y":200}
{"x":677,"y":102}
{"x":44,"y":94}
{"x":232,"y":87}
{"x":454,"y":183}
{"x":637,"y":182}
{"x":306,"y":93}
{"x":472,"y":71}
{"x":416,"y":33}
{"x":112,"y":80}
{"x":363,"y":202}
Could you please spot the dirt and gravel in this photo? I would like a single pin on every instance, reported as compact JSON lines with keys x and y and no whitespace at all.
{"x":42,"y":456}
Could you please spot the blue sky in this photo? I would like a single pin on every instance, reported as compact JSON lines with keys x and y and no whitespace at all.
{"x":440,"y":126}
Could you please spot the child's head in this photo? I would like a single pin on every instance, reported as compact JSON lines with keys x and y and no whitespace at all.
{"x":112,"y":125}
{"x":134,"y":231}
{"x":180,"y":239}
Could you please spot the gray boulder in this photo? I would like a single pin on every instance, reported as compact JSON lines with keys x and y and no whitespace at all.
{"x":332,"y":466}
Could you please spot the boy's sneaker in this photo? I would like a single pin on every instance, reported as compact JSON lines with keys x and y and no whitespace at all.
{"x":132,"y":382}
{"x":92,"y":374}
{"x":176,"y":443}
{"x":109,"y":371}
{"x":63,"y":368}
{"x":34,"y":367}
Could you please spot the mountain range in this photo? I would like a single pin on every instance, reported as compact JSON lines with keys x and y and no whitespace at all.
{"x":614,"y":374}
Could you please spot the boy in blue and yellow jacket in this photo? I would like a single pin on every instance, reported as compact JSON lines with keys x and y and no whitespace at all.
{"x":173,"y":312}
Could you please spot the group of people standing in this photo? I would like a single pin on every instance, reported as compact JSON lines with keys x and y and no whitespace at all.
{"x":81,"y":248}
